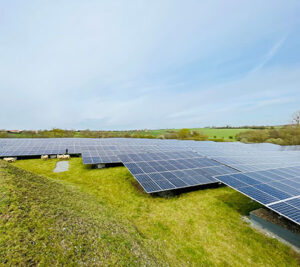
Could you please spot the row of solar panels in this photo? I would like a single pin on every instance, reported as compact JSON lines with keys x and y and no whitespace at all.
{"x":163,"y":171}
{"x":160,"y":165}
{"x":277,"y":189}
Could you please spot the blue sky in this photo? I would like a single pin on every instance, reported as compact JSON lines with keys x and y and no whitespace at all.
{"x":148,"y":64}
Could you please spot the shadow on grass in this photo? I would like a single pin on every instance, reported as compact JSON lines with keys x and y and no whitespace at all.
{"x":233,"y":199}
{"x":138,"y":187}
{"x":239,"y":202}
{"x":180,"y":191}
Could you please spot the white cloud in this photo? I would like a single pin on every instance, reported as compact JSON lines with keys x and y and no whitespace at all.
{"x":274,"y":49}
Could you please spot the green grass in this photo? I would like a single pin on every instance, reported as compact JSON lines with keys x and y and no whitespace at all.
{"x":46,"y":222}
{"x":200,"y":228}
{"x":221,"y":133}
{"x":212,"y":133}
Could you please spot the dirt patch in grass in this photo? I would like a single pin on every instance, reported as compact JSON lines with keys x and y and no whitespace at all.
{"x":275,"y":219}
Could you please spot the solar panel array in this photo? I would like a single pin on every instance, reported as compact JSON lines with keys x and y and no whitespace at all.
{"x":105,"y":154}
{"x":267,"y":173}
{"x":163,"y":171}
{"x":110,"y":154}
{"x":278,"y":189}
{"x":246,"y":157}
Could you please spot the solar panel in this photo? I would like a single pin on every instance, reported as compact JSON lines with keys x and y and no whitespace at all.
{"x":277,"y":189}
{"x":110,"y":154}
{"x":163,"y":171}
{"x":249,"y":157}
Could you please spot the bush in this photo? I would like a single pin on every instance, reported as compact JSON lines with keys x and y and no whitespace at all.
{"x":149,"y":136}
{"x":3,"y":134}
{"x":170,"y":135}
{"x":199,"y":136}
{"x":289,"y":135}
{"x":255,"y":136}
{"x":277,"y":141}
{"x":274,"y":133}
{"x":184,"y":133}
{"x":137,"y":135}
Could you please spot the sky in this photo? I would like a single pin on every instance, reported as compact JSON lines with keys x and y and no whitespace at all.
{"x":119,"y":65}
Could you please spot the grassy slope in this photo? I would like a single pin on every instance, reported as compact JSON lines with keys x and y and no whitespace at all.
{"x":45,"y":222}
{"x":196,"y":228}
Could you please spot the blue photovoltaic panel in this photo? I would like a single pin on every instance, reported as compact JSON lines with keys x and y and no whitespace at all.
{"x":110,"y":154}
{"x":163,"y":171}
{"x":249,"y":157}
{"x":277,"y":189}
{"x":289,"y":209}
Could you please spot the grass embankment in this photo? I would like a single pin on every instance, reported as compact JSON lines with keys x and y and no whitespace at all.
{"x":200,"y":228}
{"x":45,"y":222}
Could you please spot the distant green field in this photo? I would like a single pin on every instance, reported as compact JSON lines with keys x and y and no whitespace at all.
{"x":221,"y":133}
{"x":103,"y":217}
{"x":212,"y":133}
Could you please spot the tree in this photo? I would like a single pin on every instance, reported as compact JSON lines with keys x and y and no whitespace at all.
{"x":184,"y":133}
{"x":3,"y":134}
{"x":296,"y":118}
{"x":253,"y":136}
{"x":197,"y":135}
{"x":170,"y":135}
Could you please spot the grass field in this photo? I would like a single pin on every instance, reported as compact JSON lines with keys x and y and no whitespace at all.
{"x":102,"y":217}
{"x":221,"y":133}
{"x":212,"y":133}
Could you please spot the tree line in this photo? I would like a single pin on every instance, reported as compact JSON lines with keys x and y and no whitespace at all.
{"x":286,"y":135}
{"x":283,"y":135}
{"x":61,"y":133}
